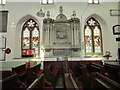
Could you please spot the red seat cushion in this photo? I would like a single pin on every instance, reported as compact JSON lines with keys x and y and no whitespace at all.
{"x":39,"y":72}
{"x":54,"y":72}
{"x":22,"y":73}
{"x":107,"y":74}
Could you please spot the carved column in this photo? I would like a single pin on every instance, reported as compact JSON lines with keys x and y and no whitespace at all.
{"x":47,"y":30}
{"x":75,"y":31}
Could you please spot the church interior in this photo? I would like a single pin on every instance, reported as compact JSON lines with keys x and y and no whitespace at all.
{"x":58,"y":44}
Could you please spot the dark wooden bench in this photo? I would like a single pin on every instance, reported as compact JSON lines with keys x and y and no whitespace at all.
{"x":101,"y":82}
{"x":113,"y":72}
{"x":20,"y":70}
{"x":4,"y":74}
{"x":70,"y":83}
{"x":33,"y":72}
{"x":37,"y":84}
{"x":95,"y":80}
{"x":93,"y":67}
{"x":85,"y":76}
{"x":35,"y":69}
{"x":51,"y":73}
{"x":12,"y":82}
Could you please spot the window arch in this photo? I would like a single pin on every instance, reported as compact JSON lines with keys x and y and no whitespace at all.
{"x":30,"y":39}
{"x":93,"y":37}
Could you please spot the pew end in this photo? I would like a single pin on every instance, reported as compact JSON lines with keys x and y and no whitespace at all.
{"x":38,"y":83}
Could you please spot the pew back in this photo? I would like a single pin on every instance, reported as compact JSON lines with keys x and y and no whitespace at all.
{"x":114,"y":71}
{"x":101,"y":81}
{"x":19,"y":69}
{"x":93,"y":67}
{"x":4,"y":74}
{"x":10,"y":82}
{"x":37,"y":84}
{"x":34,"y":68}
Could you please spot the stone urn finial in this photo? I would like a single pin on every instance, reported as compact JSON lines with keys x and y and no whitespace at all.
{"x":61,"y":9}
{"x":74,"y":14}
{"x":48,"y":14}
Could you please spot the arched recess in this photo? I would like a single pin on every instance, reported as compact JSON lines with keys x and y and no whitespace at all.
{"x":18,"y":31}
{"x":103,"y":25}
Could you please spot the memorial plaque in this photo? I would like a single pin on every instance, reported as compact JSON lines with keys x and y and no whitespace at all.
{"x":62,"y":33}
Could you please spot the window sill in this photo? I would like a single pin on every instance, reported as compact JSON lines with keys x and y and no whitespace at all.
{"x":28,"y":58}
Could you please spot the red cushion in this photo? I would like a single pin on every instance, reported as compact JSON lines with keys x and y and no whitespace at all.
{"x":54,"y":72}
{"x":70,"y":71}
{"x":107,"y":74}
{"x":39,"y":72}
{"x":22,"y":73}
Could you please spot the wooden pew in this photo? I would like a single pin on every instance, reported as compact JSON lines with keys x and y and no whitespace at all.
{"x":93,"y":67}
{"x":12,"y":82}
{"x":33,"y":72}
{"x":103,"y":83}
{"x":38,"y":83}
{"x":51,"y":74}
{"x":85,"y":76}
{"x":35,"y":69}
{"x":69,"y":82}
{"x":113,"y":72}
{"x":96,"y":80}
{"x":4,"y":74}
{"x":20,"y":70}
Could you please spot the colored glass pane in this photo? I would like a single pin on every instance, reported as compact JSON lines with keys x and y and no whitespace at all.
{"x":26,"y":39}
{"x":88,"y":40}
{"x":97,"y":40}
{"x":35,"y":40}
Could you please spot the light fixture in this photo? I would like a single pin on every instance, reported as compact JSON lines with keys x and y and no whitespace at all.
{"x":50,"y":1}
{"x":47,"y":1}
{"x":96,"y":1}
{"x":2,"y":2}
{"x":90,"y":1}
{"x":13,"y":25}
{"x":40,"y":13}
{"x":93,"y":1}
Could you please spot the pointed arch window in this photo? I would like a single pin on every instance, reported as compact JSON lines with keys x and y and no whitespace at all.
{"x":93,"y":37}
{"x":30,"y":39}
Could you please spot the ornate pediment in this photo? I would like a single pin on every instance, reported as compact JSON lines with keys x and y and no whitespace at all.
{"x":61,"y":16}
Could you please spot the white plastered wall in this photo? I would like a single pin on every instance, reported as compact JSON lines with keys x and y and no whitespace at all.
{"x":20,"y":12}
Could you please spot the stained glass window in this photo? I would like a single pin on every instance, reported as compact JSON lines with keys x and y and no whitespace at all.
{"x":30,"y":39}
{"x":93,"y":39}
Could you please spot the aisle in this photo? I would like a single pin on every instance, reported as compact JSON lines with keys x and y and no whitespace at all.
{"x":60,"y":83}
